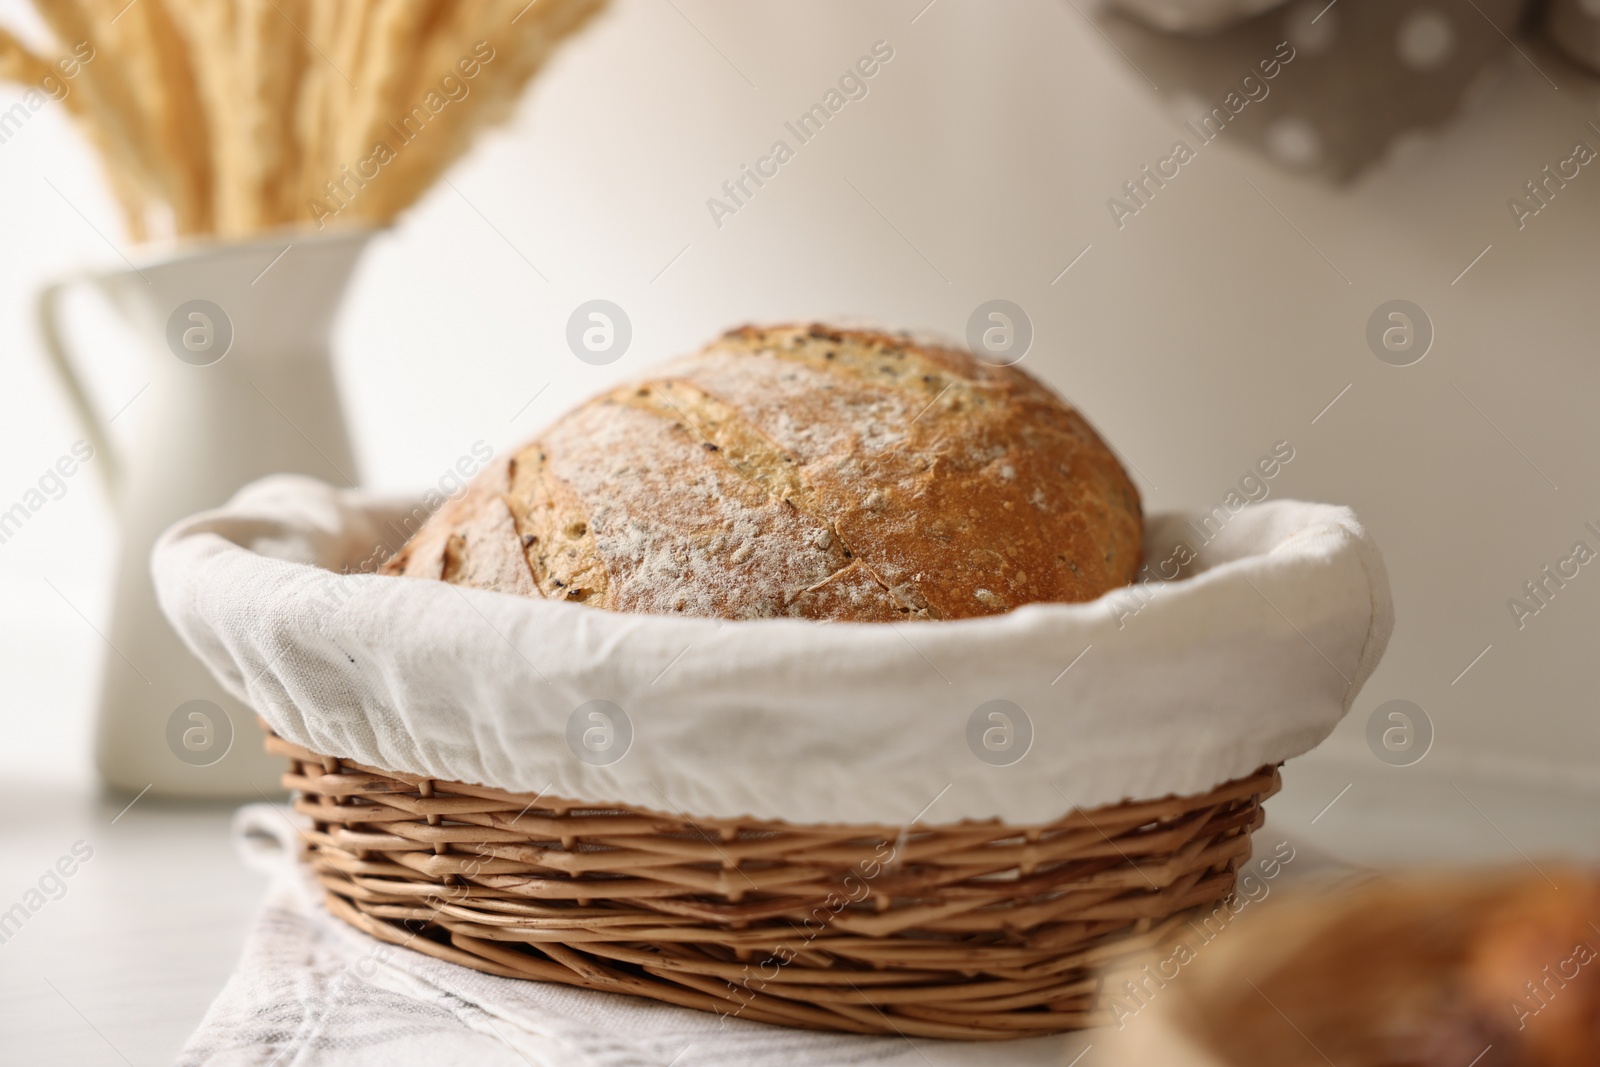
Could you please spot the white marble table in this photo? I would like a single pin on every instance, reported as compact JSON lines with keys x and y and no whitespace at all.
{"x":121,"y":967}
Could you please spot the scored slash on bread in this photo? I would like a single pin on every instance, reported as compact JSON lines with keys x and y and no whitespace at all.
{"x":801,"y":471}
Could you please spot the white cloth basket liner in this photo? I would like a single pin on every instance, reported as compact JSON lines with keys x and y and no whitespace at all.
{"x":1249,"y":657}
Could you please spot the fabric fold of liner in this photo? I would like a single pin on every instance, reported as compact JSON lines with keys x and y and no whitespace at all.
{"x":1246,"y":644}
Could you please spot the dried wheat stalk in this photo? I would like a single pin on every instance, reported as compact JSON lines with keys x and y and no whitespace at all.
{"x":17,"y":64}
{"x":233,"y":117}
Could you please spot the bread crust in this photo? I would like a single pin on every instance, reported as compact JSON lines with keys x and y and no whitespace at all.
{"x":801,"y":471}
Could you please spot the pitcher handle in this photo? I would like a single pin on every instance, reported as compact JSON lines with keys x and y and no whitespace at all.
{"x":95,"y":427}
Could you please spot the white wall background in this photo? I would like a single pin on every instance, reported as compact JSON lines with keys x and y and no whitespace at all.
{"x":1195,"y":338}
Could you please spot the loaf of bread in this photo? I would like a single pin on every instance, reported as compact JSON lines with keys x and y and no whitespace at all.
{"x":1411,"y":968}
{"x":801,"y":471}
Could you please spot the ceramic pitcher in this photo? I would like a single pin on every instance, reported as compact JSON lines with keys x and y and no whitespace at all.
{"x":241,"y":385}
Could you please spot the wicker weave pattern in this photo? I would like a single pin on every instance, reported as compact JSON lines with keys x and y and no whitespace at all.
{"x":968,"y":930}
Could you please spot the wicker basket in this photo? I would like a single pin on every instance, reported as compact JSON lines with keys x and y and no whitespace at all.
{"x":970,"y":930}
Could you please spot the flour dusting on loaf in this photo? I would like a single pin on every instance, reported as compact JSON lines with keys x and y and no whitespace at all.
{"x":801,"y":471}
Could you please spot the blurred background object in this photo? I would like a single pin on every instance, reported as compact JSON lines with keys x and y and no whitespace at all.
{"x":1428,"y":31}
{"x":1359,"y":78}
{"x":1193,"y":16}
{"x":1427,"y":968}
{"x":1575,"y":28}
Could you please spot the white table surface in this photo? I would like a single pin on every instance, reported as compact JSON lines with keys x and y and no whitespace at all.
{"x":121,"y":968}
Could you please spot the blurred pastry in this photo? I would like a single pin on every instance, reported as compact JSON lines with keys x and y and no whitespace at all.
{"x":1441,"y":969}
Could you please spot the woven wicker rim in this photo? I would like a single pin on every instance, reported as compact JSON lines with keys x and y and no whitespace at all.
{"x":972,"y":930}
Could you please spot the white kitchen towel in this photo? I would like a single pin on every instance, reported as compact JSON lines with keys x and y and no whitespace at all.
{"x":1245,"y":644}
{"x":311,"y":991}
